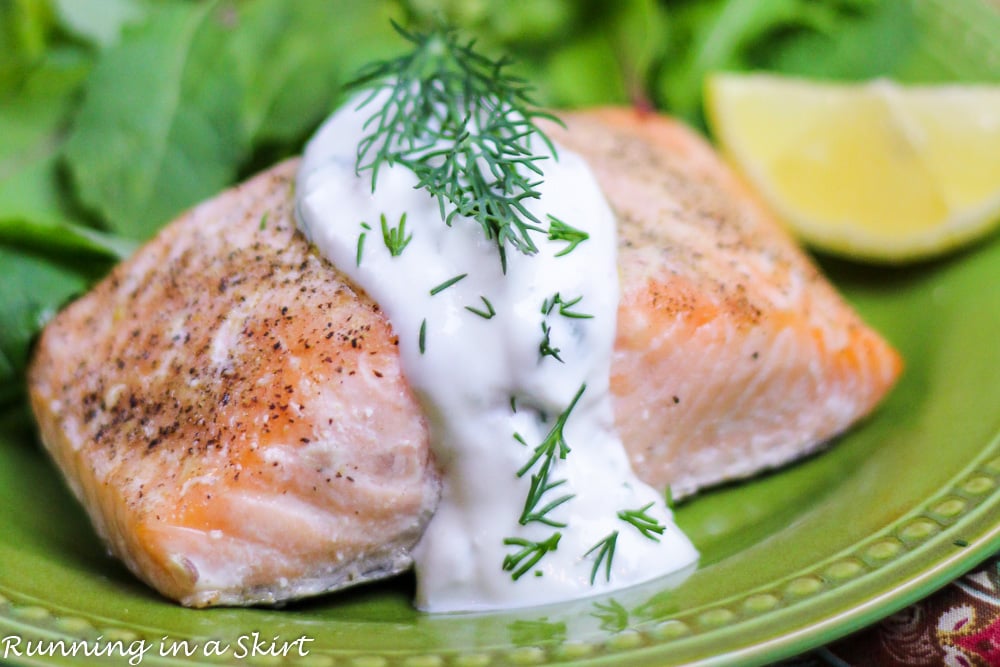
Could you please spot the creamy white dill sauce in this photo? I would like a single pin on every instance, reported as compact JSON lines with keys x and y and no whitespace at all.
{"x":470,"y":368}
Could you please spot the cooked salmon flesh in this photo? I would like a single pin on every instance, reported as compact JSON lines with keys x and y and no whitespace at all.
{"x":231,"y":412}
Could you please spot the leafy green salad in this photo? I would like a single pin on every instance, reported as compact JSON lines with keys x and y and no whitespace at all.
{"x":117,"y":115}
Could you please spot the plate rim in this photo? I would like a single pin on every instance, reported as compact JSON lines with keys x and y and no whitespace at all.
{"x":921,"y":557}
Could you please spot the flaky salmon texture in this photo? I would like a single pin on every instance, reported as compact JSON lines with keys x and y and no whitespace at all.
{"x":231,"y":410}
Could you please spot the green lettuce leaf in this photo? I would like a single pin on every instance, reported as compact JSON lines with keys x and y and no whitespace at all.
{"x":35,"y":287}
{"x":160,"y":128}
{"x":930,"y":41}
{"x":64,"y":237}
{"x":293,"y":61}
{"x":26,"y":28}
{"x":98,"y":22}
{"x":743,"y":34}
{"x":33,"y":128}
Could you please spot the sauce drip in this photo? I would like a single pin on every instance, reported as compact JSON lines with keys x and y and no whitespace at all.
{"x":501,"y":363}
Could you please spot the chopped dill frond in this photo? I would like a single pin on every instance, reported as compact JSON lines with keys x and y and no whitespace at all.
{"x":528,"y":556}
{"x":361,"y":241}
{"x":446,"y":284}
{"x":605,"y":554}
{"x":644,"y":523}
{"x":395,"y":238}
{"x":545,"y":348}
{"x":487,"y":314}
{"x":560,"y":231}
{"x":548,"y":305}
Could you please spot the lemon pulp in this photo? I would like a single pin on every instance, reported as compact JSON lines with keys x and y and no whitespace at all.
{"x":875,"y":171}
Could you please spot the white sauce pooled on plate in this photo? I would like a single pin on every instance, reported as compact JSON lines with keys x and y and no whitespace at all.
{"x":490,"y":395}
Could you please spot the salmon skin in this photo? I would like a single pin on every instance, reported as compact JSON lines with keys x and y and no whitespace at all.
{"x":231,"y":411}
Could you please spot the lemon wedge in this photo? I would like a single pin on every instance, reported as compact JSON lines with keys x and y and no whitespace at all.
{"x":875,"y":171}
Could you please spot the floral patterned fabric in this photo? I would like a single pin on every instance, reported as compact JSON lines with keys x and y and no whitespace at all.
{"x":959,"y":626}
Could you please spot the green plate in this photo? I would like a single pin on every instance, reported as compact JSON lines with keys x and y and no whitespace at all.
{"x":791,"y":560}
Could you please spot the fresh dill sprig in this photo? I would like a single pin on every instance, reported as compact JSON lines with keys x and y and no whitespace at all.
{"x":540,"y":485}
{"x":552,"y":447}
{"x":605,"y":554}
{"x":422,"y":337}
{"x":644,"y":523}
{"x":560,"y":231}
{"x":395,"y":238}
{"x":263,"y":221}
{"x":555,"y":440}
{"x":487,"y":314}
{"x":605,"y":548}
{"x":361,"y":241}
{"x":531,"y":552}
{"x":564,"y":307}
{"x":446,"y":284}
{"x":464,"y":127}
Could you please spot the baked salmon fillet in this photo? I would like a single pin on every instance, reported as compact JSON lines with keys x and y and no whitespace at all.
{"x":231,"y":411}
{"x":734,"y":354}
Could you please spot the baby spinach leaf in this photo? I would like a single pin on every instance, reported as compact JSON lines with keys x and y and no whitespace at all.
{"x":25,"y":31}
{"x":738,"y":34}
{"x":956,"y":40}
{"x":33,"y":128}
{"x":35,"y":286}
{"x":64,"y":237}
{"x":293,"y":61}
{"x":159,"y":128}
{"x":608,"y":57}
{"x":98,"y":22}
{"x":590,"y":51}
{"x":863,"y":46}
{"x":929,"y":41}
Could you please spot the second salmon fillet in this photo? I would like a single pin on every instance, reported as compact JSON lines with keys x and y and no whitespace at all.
{"x":233,"y":416}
